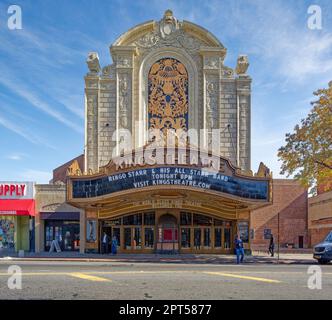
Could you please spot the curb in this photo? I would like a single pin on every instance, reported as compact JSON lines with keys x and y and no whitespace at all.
{"x":163,"y":260}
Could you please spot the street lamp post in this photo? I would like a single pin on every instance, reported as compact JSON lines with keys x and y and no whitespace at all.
{"x":278,"y":235}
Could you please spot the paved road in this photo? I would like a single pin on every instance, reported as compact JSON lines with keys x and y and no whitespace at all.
{"x":99,"y":280}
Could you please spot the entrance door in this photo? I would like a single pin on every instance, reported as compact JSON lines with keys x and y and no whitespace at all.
{"x":168,"y":241}
{"x":301,"y":241}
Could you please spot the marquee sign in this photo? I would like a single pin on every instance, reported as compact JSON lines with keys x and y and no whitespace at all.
{"x":252,"y":189}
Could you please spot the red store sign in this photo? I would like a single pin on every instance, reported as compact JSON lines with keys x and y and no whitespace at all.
{"x":17,"y":198}
{"x":12,"y":190}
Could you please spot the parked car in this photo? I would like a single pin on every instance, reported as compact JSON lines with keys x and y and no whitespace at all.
{"x":323,"y":250}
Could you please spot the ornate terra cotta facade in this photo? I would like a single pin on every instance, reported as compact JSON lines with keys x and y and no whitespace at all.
{"x":167,"y":75}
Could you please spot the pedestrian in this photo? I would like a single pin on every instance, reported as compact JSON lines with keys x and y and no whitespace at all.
{"x":198,"y":243}
{"x":105,"y":242}
{"x":271,"y":245}
{"x":114,"y":245}
{"x":239,"y":249}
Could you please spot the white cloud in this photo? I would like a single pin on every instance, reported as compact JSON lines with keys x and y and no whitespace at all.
{"x":18,"y":88}
{"x":16,"y":156}
{"x":26,"y":134}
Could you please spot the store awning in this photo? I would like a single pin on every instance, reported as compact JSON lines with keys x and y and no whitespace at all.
{"x":17,"y":207}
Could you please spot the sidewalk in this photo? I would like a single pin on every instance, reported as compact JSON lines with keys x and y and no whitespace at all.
{"x":256,"y":258}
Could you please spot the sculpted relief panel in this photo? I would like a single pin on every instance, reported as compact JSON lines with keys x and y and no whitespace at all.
{"x":124,"y":100}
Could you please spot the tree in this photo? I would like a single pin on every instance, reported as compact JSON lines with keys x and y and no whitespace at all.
{"x":308,"y":151}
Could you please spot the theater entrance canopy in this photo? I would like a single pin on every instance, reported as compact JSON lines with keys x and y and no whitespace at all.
{"x":123,"y":188}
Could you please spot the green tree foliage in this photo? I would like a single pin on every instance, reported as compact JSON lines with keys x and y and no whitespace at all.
{"x":308,"y":150}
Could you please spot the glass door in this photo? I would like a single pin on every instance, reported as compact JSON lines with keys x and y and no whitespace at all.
{"x":207,"y":238}
{"x":218,"y":238}
{"x":185,"y":238}
{"x":127,"y":238}
{"x":197,"y":238}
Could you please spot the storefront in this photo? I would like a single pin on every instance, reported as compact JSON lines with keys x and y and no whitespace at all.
{"x":56,"y":219}
{"x":63,"y":227}
{"x":17,"y":212}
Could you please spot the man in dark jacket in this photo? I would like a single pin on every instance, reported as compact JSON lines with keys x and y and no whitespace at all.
{"x":271,"y":246}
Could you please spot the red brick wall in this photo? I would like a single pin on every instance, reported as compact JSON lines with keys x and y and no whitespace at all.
{"x":290,"y":201}
{"x":319,"y":230}
{"x":318,"y":235}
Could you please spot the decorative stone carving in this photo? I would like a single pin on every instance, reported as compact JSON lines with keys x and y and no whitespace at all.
{"x":123,"y":100}
{"x":211,"y":62}
{"x":93,"y":62}
{"x":168,"y":34}
{"x":123,"y":62}
{"x":92,"y":104}
{"x":211,"y":103}
{"x":92,"y":84}
{"x":148,"y":40}
{"x":242,"y":65}
{"x":227,"y":72}
{"x":263,"y":171}
{"x":107,"y":71}
{"x":168,"y":24}
{"x":105,"y":86}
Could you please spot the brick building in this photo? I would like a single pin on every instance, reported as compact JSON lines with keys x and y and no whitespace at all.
{"x":289,"y":210}
{"x":320,"y":216}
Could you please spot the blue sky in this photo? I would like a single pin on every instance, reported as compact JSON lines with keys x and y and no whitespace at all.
{"x":42,"y":68}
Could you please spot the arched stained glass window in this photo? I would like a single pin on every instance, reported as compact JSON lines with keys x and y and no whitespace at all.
{"x":168,"y":95}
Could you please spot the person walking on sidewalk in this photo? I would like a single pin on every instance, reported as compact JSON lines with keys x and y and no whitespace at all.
{"x":105,"y":242}
{"x":114,"y":245}
{"x":239,"y":249}
{"x":271,"y":246}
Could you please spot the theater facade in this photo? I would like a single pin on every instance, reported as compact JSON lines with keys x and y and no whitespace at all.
{"x":170,"y":194}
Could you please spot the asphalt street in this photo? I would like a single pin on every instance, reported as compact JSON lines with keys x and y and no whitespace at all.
{"x":148,"y":281}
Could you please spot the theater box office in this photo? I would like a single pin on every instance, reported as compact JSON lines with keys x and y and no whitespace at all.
{"x":17,"y":212}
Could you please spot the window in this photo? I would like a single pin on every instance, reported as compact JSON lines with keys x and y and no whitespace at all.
{"x":207,"y":237}
{"x":149,"y":237}
{"x":137,"y":238}
{"x":134,"y":219}
{"x":116,"y":234}
{"x":185,"y":218}
{"x":227,"y":237}
{"x":127,"y":238}
{"x":185,"y":237}
{"x":218,"y":222}
{"x":201,"y":220}
{"x":168,"y":95}
{"x":197,"y":238}
{"x":217,"y":237}
{"x":149,"y":219}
